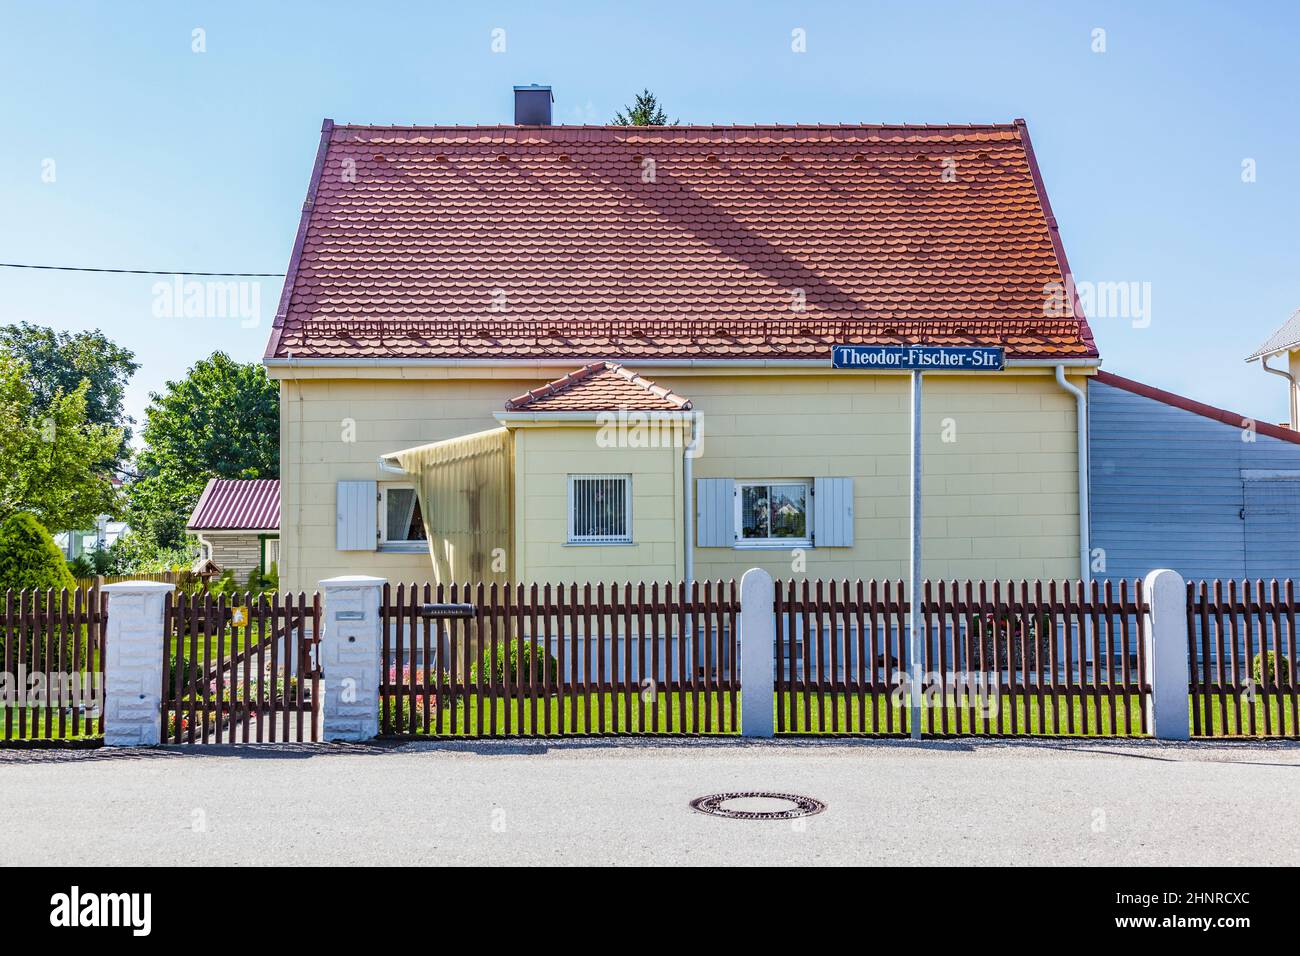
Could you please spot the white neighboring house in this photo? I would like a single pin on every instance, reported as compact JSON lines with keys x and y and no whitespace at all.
{"x":237,"y":522}
{"x":74,"y":544}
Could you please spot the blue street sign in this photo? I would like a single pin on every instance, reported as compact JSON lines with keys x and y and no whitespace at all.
{"x":917,"y":358}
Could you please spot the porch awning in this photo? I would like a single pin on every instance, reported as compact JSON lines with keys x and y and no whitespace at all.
{"x":465,"y":487}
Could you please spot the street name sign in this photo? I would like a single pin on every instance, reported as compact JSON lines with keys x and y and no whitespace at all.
{"x":918,"y":358}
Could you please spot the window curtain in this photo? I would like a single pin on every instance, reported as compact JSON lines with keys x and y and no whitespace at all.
{"x":466,"y":491}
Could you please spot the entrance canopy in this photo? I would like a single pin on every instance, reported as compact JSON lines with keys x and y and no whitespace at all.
{"x":465,"y":487}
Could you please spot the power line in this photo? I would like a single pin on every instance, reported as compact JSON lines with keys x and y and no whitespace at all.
{"x":144,"y":272}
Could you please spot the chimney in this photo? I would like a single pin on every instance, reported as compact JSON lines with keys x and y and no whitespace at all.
{"x":533,"y":105}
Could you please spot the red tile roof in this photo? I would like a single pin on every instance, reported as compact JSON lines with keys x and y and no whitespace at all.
{"x":579,"y":243}
{"x":601,"y":386}
{"x":229,"y":504}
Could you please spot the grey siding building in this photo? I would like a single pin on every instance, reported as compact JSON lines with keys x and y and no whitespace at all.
{"x":1178,"y":484}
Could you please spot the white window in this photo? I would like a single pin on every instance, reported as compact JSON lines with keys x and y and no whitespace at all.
{"x":600,"y":509}
{"x":401,"y":526}
{"x":271,"y":554}
{"x":774,"y":513}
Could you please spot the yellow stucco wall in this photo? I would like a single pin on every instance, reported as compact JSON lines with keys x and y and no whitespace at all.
{"x":1001,"y":498}
{"x":335,"y":428}
{"x":545,"y":457}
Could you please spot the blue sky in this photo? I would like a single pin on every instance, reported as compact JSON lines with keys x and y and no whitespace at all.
{"x":170,"y":159}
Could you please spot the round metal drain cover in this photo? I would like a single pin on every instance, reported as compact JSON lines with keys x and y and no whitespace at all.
{"x":758,"y":805}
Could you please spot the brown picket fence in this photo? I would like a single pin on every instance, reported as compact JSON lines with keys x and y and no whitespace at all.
{"x":241,"y":668}
{"x":1235,"y":630}
{"x":60,"y":636}
{"x":563,"y":660}
{"x":1058,"y":659}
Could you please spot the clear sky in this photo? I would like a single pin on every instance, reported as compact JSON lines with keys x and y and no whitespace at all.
{"x":166,"y":158}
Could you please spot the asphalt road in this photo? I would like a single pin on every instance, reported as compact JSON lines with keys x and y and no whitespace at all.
{"x":619,"y":803}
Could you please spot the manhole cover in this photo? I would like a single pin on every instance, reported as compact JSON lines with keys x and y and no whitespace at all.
{"x":757,"y":805}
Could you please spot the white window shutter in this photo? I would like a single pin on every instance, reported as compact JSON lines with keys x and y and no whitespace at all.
{"x":833,"y":512}
{"x":715,"y":513}
{"x":357,"y":517}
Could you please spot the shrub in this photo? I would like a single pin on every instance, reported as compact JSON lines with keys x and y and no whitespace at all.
{"x":1003,"y":634}
{"x":225,"y":584}
{"x":271,"y":579}
{"x":88,"y":564}
{"x":29,"y":558}
{"x":185,"y":668}
{"x":1279,"y":669}
{"x":263,"y":582}
{"x":510,"y":664}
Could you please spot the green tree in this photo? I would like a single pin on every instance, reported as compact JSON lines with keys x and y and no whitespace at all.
{"x":646,"y":111}
{"x":56,"y":363}
{"x":53,"y":460}
{"x":221,"y":421}
{"x":29,"y":558}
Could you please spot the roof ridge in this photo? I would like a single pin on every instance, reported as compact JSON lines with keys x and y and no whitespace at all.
{"x":1009,"y":126}
{"x":660,"y":391}
{"x":575,"y":380}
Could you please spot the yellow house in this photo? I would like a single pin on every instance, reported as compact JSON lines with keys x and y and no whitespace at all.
{"x":552,"y":353}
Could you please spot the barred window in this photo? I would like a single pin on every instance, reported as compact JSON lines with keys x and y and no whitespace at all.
{"x":600,"y":509}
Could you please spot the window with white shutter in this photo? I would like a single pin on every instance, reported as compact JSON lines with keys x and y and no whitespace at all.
{"x":356,"y":515}
{"x":600,"y":509}
{"x":774,"y":513}
{"x":833,"y":512}
{"x":714,"y":513}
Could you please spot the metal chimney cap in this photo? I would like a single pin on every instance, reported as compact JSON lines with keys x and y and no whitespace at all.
{"x":533,"y":105}
{"x":535,"y":87}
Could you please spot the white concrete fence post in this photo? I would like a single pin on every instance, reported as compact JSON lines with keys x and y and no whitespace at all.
{"x":1167,"y":667}
{"x":757,"y":652}
{"x":134,"y":662}
{"x":350,"y":650}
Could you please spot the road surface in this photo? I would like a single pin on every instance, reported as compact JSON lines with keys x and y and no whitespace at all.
{"x":627,"y":803}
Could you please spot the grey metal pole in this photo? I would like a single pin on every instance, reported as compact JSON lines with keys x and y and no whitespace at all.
{"x":914,"y":570}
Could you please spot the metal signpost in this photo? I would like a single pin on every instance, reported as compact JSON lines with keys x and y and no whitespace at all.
{"x":916,"y":359}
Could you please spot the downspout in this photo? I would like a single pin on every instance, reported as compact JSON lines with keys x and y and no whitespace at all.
{"x":1081,"y":435}
{"x":1293,"y":408}
{"x":688,"y":499}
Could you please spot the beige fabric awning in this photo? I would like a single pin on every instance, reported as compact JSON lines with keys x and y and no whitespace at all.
{"x":465,"y":487}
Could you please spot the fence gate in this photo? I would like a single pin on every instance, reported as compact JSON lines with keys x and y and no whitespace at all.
{"x":241,"y":668}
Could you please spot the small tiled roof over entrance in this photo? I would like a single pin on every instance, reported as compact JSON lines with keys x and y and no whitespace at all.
{"x":601,"y":386}
{"x":230,"y":504}
{"x":706,"y":243}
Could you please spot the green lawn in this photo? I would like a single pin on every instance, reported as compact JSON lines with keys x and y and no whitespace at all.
{"x":1282,"y":716}
{"x":35,"y":717}
{"x":843,"y":715}
{"x":230,"y":641}
{"x":677,"y":714}
{"x":583,"y":715}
